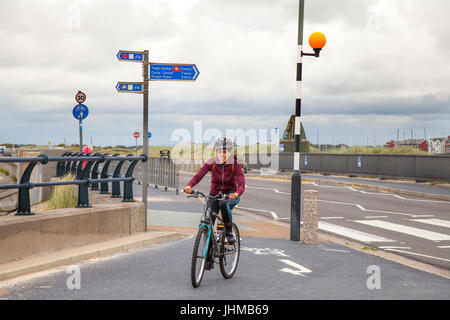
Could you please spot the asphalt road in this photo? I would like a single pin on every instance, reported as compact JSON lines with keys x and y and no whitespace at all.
{"x":414,"y":227}
{"x":269,"y":269}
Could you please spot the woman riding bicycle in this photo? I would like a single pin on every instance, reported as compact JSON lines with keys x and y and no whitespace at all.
{"x":227,"y":178}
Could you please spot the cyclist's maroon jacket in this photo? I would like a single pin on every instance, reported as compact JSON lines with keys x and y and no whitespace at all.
{"x":222,"y":179}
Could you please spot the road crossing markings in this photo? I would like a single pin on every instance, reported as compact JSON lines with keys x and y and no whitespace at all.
{"x":443,"y":247}
{"x":435,"y":222}
{"x":351,"y":233}
{"x":381,"y":194}
{"x":418,"y":254}
{"x":416,"y":232}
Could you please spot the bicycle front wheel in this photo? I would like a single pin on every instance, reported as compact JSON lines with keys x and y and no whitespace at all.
{"x":199,"y":256}
{"x":229,"y":257}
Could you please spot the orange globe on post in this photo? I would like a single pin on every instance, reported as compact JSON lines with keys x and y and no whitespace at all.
{"x":317,"y":40}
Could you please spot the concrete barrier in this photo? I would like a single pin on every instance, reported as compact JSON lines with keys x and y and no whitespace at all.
{"x":49,"y":231}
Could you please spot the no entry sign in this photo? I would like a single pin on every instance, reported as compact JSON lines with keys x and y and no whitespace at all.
{"x":136,"y":134}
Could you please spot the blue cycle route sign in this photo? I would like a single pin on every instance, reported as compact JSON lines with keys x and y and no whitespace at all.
{"x":173,"y":72}
{"x":80,"y":112}
{"x":131,"y":87}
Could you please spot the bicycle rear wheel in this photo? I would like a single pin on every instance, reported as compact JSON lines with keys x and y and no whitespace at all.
{"x":229,"y":257}
{"x":199,"y":256}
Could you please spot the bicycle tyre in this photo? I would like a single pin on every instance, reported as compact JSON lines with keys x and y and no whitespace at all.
{"x":198,"y":259}
{"x":227,"y":274}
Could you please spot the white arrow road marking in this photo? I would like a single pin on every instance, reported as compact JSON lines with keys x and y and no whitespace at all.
{"x":300,"y":269}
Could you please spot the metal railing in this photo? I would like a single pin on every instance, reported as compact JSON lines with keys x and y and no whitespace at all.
{"x":79,"y":164}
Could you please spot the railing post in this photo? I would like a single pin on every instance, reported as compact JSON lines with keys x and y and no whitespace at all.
{"x":95,"y":172}
{"x":24,"y":206}
{"x":83,"y":189}
{"x":80,"y":165}
{"x":116,"y":184}
{"x":66,"y":165}
{"x":104,"y":188}
{"x":59,"y":166}
{"x":73,"y":169}
{"x":128,"y":185}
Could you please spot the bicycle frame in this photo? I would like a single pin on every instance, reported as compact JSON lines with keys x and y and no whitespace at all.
{"x":206,"y":220}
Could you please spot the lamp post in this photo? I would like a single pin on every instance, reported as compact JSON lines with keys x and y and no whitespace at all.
{"x":317,"y":41}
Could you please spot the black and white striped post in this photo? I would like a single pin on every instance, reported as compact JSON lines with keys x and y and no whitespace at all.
{"x":316,"y":40}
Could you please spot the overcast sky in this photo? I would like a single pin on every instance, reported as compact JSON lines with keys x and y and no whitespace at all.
{"x":385,"y":67}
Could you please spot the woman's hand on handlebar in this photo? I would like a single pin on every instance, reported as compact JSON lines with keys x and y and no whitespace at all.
{"x":188,"y":189}
{"x":233,"y":196}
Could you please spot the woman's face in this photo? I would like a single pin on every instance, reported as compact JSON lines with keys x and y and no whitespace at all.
{"x":223,"y":154}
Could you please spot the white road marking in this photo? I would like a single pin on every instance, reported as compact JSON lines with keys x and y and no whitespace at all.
{"x":416,"y":232}
{"x":351,"y":233}
{"x":360,"y":207}
{"x":300,"y":269}
{"x":270,"y":189}
{"x":381,"y":194}
{"x":393,"y":247}
{"x":266,"y":251}
{"x":326,"y":218}
{"x":375,"y":217}
{"x":435,"y":222}
{"x":272,"y":213}
{"x":443,"y":247}
{"x":417,"y":254}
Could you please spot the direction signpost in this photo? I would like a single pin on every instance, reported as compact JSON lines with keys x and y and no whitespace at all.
{"x":157,"y":72}
{"x":173,"y":72}
{"x":130,"y":87}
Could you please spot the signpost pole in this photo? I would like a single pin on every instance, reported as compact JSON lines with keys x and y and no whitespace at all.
{"x":145,"y":66}
{"x":81,"y":135}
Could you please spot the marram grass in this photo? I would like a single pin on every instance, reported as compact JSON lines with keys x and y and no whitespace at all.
{"x":63,"y":196}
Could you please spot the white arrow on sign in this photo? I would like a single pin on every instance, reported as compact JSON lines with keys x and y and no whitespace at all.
{"x":300,"y":269}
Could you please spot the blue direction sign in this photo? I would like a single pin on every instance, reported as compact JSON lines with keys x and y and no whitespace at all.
{"x":131,"y":87}
{"x":149,"y":134}
{"x":80,"y":112}
{"x":134,"y":56}
{"x":173,"y":72}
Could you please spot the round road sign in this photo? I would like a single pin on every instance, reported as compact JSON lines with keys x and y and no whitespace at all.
{"x":136,"y":134}
{"x":80,"y":97}
{"x":80,"y":112}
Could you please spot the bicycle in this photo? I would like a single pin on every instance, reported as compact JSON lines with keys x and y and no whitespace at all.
{"x":209,"y":234}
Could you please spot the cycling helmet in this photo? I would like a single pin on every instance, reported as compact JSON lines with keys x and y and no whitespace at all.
{"x":224,"y":143}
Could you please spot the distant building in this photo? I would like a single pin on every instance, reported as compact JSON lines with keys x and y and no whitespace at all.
{"x":420,"y":144}
{"x":437,"y":145}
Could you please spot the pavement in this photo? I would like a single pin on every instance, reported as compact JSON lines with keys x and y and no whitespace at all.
{"x":335,"y":262}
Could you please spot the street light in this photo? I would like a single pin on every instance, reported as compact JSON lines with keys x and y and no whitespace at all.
{"x":317,"y":41}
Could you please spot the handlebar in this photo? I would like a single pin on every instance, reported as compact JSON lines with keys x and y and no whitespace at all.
{"x":196,"y":194}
